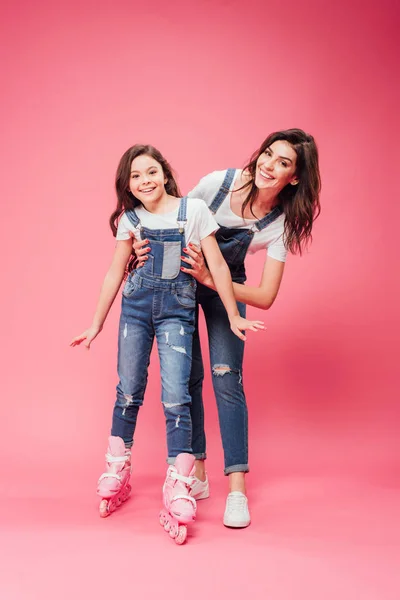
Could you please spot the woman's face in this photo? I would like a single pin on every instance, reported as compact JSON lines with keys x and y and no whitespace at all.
{"x":276,"y":167}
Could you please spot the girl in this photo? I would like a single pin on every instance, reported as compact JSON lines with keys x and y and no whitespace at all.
{"x":269,"y":205}
{"x":158,"y":300}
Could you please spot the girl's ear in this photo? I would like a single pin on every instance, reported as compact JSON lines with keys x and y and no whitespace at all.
{"x":294,"y":181}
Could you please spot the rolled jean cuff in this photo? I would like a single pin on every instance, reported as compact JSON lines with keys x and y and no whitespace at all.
{"x":200,"y":455}
{"x":171,"y":459}
{"x":236,"y":469}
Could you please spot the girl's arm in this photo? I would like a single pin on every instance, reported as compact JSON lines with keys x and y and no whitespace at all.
{"x":109,"y":290}
{"x":221,"y":275}
{"x":262,"y":296}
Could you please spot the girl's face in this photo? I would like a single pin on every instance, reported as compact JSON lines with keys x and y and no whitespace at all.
{"x":147,"y":179}
{"x":276,"y":167}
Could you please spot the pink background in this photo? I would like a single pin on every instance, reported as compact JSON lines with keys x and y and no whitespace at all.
{"x":205,"y":83}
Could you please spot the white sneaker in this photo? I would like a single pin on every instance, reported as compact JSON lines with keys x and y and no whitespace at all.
{"x":236,"y":510}
{"x":199,"y":490}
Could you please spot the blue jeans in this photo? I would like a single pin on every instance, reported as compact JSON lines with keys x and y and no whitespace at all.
{"x":167,"y":311}
{"x":226,"y":358}
{"x":226,"y":350}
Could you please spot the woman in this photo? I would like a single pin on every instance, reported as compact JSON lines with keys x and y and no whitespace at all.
{"x":271,"y":204}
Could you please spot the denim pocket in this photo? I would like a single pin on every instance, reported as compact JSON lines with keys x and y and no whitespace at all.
{"x":130,"y":286}
{"x":186,"y":296}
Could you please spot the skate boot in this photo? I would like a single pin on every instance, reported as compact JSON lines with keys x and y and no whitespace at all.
{"x":180,"y":507}
{"x":113,"y":486}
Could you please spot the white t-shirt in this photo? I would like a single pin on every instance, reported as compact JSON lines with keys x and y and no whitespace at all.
{"x":200,"y":222}
{"x":270,"y":238}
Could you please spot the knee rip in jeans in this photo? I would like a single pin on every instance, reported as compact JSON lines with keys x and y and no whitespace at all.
{"x":174,"y":405}
{"x":176,"y":347}
{"x":221,"y":370}
{"x":128,"y":402}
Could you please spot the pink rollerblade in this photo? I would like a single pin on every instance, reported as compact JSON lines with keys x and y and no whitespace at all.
{"x":180,"y":507}
{"x":113,"y":486}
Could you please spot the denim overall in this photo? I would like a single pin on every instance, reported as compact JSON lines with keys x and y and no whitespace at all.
{"x":158,"y":300}
{"x":226,"y":349}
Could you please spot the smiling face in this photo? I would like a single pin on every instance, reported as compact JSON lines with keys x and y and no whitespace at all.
{"x":147,"y":180}
{"x":276,"y":167}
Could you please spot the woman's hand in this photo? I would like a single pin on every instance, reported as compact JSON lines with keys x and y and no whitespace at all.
{"x":141,"y":248}
{"x":238,"y":324}
{"x":198,"y":268}
{"x":87,"y":336}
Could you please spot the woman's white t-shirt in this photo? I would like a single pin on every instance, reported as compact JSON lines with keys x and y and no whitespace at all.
{"x":270,"y":238}
{"x":200,"y":222}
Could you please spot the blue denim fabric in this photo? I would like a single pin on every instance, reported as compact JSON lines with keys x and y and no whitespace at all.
{"x":159,"y":301}
{"x":226,"y":349}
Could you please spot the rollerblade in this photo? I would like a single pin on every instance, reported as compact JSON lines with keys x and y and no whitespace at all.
{"x":180,"y":507}
{"x":113,"y":486}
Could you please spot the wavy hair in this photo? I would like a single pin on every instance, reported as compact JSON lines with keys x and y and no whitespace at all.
{"x":300,"y":202}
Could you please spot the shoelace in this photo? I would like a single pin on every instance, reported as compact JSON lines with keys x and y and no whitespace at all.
{"x":236,"y":503}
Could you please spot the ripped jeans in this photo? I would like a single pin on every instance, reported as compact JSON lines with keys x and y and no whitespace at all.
{"x":226,"y":358}
{"x":166,"y":311}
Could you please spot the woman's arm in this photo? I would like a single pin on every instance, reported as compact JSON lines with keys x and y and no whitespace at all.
{"x":109,"y":290}
{"x":262,"y":296}
{"x":221,"y":275}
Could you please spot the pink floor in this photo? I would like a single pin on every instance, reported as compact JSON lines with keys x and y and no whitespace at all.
{"x":312,"y":537}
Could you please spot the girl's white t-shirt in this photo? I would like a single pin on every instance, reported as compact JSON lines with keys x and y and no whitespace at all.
{"x":200,"y":222}
{"x":271,"y":238}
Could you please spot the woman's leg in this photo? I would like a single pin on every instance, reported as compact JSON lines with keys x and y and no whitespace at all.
{"x":226,"y":356}
{"x":197,"y":407}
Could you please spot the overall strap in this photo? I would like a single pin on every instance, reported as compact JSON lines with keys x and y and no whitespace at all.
{"x":268,"y":219}
{"x":132,"y":216}
{"x":182,"y":214}
{"x":223,"y":191}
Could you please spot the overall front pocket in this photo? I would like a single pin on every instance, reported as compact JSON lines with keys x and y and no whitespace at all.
{"x":186,"y":296}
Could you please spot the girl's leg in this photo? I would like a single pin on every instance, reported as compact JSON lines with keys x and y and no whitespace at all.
{"x":135,"y":341}
{"x":226,"y":356}
{"x":174,"y":341}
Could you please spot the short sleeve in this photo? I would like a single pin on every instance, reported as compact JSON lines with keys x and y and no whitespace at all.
{"x":207,"y":184}
{"x":206,"y":224}
{"x":124,"y":231}
{"x":277,"y":250}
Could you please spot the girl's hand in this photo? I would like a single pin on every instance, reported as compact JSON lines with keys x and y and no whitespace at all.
{"x":87,"y":336}
{"x":238,"y":324}
{"x":198,"y":268}
{"x":141,"y":249}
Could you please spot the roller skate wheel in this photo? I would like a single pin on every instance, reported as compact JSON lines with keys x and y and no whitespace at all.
{"x":112,"y":505}
{"x":119,"y":501}
{"x":162,"y":520}
{"x":167,"y":526}
{"x":182,"y":534}
{"x":103,"y":509}
{"x":174,"y":530}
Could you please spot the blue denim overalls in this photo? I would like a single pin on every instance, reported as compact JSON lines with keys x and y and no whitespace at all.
{"x":158,"y":300}
{"x":226,"y":349}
